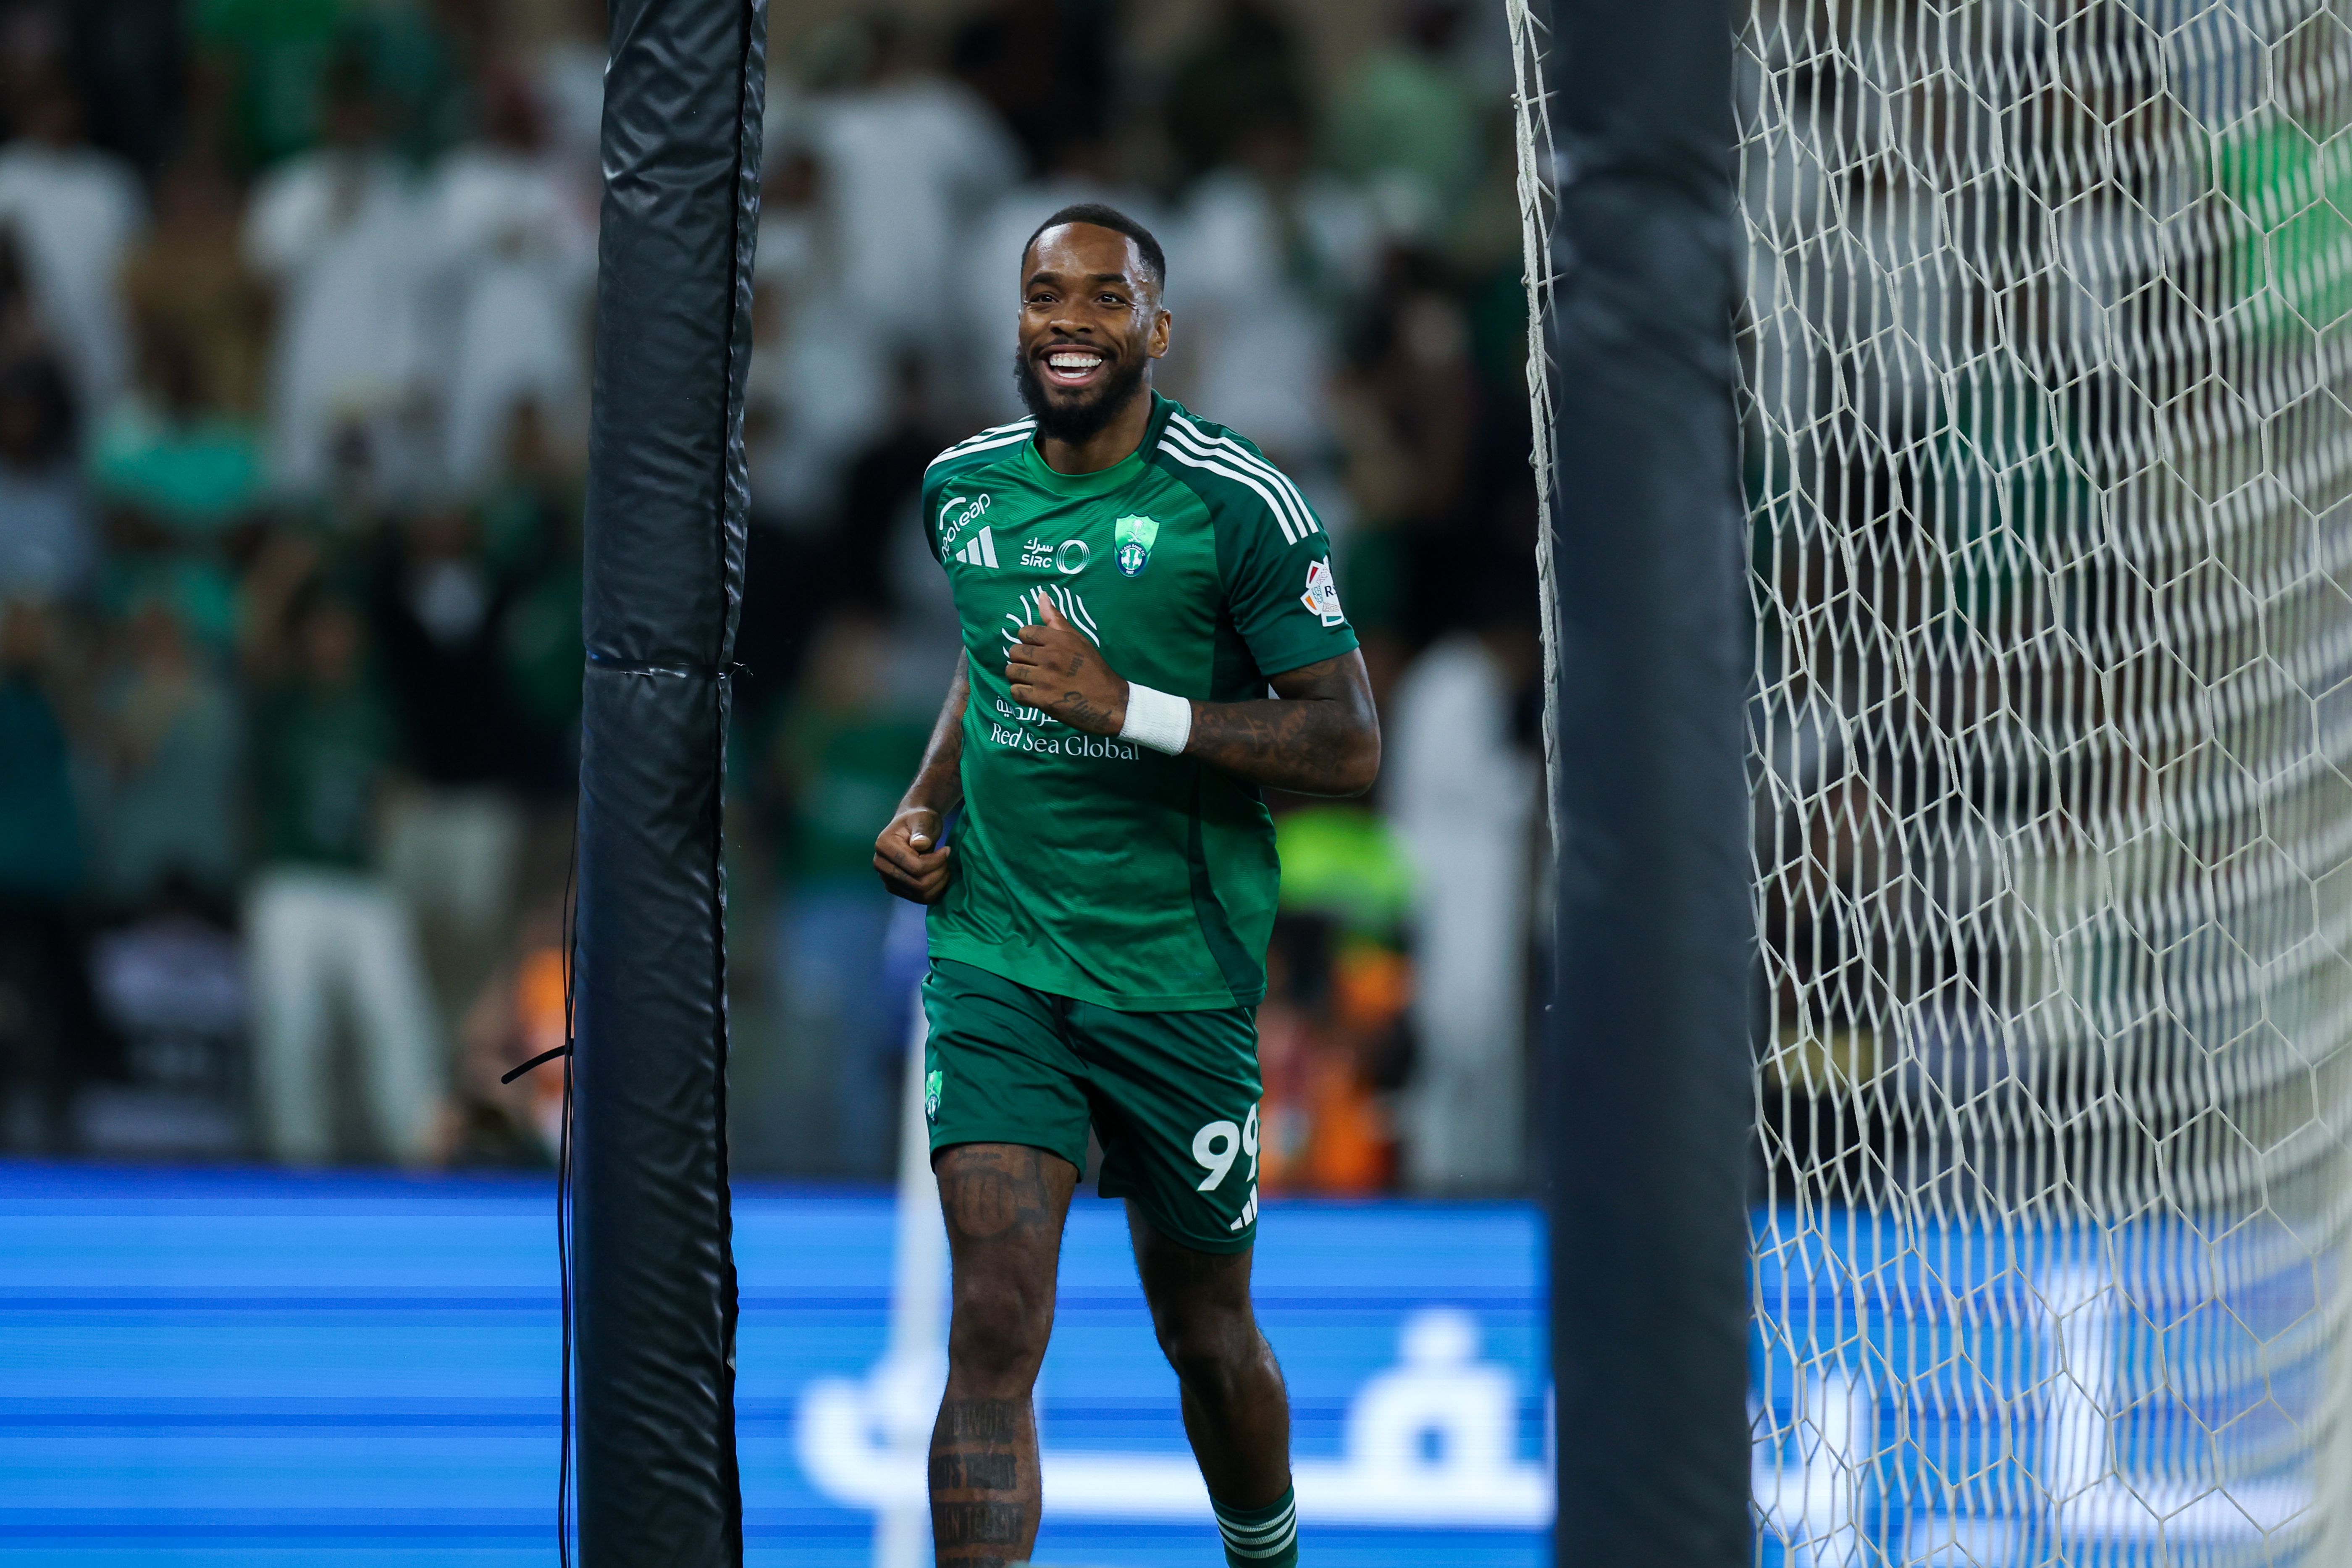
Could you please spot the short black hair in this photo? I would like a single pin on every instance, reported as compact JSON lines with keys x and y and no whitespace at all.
{"x":1118,"y":222}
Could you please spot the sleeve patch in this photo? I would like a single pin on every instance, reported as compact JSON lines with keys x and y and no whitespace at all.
{"x":1322,"y":595}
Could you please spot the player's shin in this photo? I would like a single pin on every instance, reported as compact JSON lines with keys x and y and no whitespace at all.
{"x":983,"y":1481}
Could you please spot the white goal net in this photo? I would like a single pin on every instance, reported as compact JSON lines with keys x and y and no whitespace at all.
{"x":2046,"y":407}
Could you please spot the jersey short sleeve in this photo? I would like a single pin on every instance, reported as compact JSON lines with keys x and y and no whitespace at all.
{"x":955,"y":513}
{"x":1279,"y":587}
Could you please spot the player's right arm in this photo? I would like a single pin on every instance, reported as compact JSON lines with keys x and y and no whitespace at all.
{"x":908,"y":856}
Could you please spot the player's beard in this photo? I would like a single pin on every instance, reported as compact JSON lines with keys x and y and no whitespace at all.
{"x":1086,"y":417}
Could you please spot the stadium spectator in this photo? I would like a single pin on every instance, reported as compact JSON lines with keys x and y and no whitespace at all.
{"x":41,"y":1015}
{"x":1247,"y":68}
{"x":340,"y":232}
{"x":819,"y":382}
{"x":567,"y":72}
{"x":260,"y":66}
{"x":188,"y":279}
{"x":817,"y":392}
{"x":909,"y":158}
{"x":130,"y":59}
{"x":265,"y":77}
{"x":327,"y":934}
{"x":1461,"y":791}
{"x":169,"y":451}
{"x":1046,"y":69}
{"x":879,"y":543}
{"x":517,"y":258}
{"x":1407,"y":126}
{"x":419,"y":56}
{"x":840,"y":755}
{"x":1256,"y":357}
{"x":1405,"y":410}
{"x":529,"y":522}
{"x":170,"y":754}
{"x":22,"y":335}
{"x":46,"y":548}
{"x":75,"y":212}
{"x":454,"y":837}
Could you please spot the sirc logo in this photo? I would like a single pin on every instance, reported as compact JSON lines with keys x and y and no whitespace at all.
{"x":1070,"y":558}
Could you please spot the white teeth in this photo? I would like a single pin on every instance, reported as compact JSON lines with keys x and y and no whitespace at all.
{"x":1074,"y":362}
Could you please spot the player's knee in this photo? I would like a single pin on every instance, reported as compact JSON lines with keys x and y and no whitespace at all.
{"x":1210,"y":1348}
{"x":998,"y":1333}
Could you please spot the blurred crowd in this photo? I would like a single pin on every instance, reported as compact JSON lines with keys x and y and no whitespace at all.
{"x":296,"y":315}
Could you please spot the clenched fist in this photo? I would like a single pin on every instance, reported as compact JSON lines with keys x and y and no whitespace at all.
{"x":912,"y":861}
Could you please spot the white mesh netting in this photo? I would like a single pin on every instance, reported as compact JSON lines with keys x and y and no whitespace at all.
{"x":2045,"y":364}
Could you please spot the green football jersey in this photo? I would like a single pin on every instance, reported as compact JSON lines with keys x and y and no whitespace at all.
{"x":1087,"y":866}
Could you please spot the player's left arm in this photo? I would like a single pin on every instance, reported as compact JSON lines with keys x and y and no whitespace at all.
{"x":1318,"y":735}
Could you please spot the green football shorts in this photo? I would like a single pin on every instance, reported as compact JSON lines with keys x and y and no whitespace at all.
{"x":1172,"y":1096}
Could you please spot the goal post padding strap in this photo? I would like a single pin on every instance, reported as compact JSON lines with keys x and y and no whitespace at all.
{"x":664,"y":548}
{"x":1647,"y":1089}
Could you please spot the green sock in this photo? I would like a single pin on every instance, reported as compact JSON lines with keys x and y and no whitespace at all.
{"x":1261,"y":1537}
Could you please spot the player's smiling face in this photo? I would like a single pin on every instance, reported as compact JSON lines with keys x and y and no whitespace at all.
{"x":1090,"y":323}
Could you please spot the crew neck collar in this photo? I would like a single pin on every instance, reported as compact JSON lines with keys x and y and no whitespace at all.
{"x":1102,"y":480}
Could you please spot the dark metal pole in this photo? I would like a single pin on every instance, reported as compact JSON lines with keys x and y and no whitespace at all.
{"x":1648,"y":1120}
{"x":664,"y":533}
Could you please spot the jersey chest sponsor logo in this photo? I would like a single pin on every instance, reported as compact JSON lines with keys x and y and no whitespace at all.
{"x":1069,"y":557}
{"x":1074,"y":744}
{"x":1026,"y":612}
{"x":1134,"y":537}
{"x":958,"y":513}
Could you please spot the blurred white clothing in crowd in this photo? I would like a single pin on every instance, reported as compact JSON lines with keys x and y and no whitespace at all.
{"x":517,"y":261}
{"x":908,"y":162}
{"x":568,"y":77}
{"x":325,"y":943}
{"x":820,"y":375}
{"x":1462,"y":796}
{"x":346,"y":238}
{"x":46,"y":549}
{"x":1261,"y":274}
{"x":73,"y":212}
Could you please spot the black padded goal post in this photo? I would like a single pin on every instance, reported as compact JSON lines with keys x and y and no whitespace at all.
{"x":665,"y":537}
{"x":1627,"y":138}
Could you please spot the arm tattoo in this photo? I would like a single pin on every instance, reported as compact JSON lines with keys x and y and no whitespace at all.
{"x":1321,"y":736}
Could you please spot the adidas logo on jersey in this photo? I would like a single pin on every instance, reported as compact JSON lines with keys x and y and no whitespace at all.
{"x":980,"y":549}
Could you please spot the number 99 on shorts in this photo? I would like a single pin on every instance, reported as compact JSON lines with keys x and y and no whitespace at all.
{"x":1217,"y":1146}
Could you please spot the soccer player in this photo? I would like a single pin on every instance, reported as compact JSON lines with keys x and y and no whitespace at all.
{"x":1087,"y":831}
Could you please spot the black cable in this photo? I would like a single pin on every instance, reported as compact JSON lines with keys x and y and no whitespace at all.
{"x":563,"y":1216}
{"x":540,"y":1060}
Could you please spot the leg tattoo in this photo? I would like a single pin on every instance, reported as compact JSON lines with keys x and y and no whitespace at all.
{"x":1004,"y":1206}
{"x":983,"y":1482}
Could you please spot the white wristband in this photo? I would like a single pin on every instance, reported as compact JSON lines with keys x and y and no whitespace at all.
{"x":1157,"y":720}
